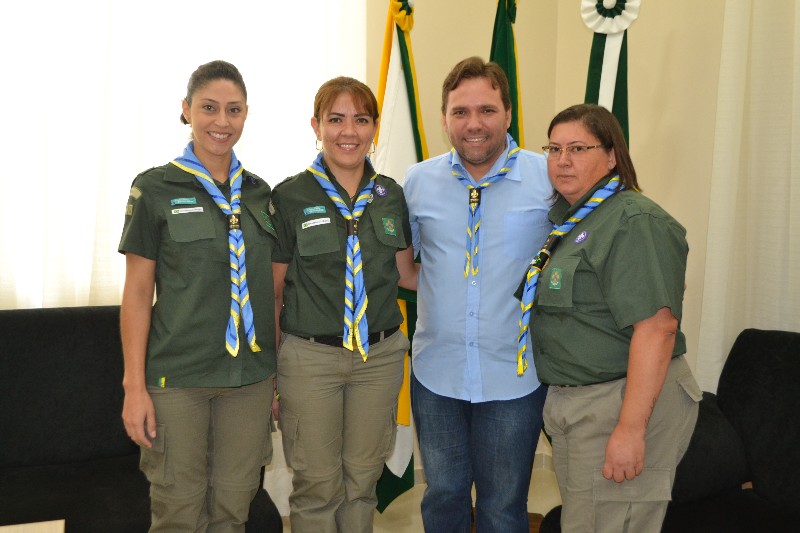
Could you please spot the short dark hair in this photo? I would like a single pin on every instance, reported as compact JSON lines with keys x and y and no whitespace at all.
{"x":331,"y":89}
{"x":475,"y":67}
{"x":605,"y":126}
{"x":211,"y":71}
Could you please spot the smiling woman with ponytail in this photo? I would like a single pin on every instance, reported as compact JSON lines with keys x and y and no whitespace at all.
{"x":198,"y":363}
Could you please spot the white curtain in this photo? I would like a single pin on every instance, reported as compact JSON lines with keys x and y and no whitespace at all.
{"x":91,"y":93}
{"x":752,"y":277}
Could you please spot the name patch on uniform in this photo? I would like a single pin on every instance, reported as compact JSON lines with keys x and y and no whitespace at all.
{"x":183,"y":210}
{"x":316,"y":222}
{"x":389,"y":227}
{"x":555,"y":278}
{"x":315,"y":210}
{"x":183,"y":201}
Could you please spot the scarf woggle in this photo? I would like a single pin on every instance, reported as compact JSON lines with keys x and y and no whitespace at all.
{"x":474,"y":207}
{"x":543,"y":257}
{"x":356,"y":330}
{"x":240,"y":294}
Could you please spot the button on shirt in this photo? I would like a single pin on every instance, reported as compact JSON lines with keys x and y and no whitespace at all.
{"x":465,"y":344}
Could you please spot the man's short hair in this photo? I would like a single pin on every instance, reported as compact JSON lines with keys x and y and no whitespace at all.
{"x":475,"y":67}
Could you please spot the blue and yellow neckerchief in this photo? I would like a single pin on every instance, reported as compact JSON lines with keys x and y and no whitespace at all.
{"x":356,"y":330}
{"x":240,"y":294}
{"x":543,"y":257}
{"x":474,"y":206}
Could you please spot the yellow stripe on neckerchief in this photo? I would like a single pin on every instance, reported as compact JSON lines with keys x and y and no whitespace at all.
{"x":543,"y":257}
{"x":240,"y":294}
{"x":474,"y":205}
{"x":356,"y":330}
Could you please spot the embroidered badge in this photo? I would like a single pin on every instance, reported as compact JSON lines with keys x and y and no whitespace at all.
{"x":316,"y":222}
{"x":129,"y":210}
{"x":267,"y":220}
{"x":389,"y":227}
{"x":183,"y":201}
{"x":582,"y":236}
{"x":555,"y":279}
{"x":135,"y":193}
{"x":380,"y":190}
{"x":316,"y":210}
{"x":183,"y":210}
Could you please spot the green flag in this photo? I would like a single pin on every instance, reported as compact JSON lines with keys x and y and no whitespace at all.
{"x":607,"y":80}
{"x":504,"y":53}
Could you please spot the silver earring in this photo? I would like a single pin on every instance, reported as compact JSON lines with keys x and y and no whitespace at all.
{"x":318,"y":145}
{"x":372,"y":148}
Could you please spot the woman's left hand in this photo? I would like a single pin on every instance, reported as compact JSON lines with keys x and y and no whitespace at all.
{"x":648,"y":361}
{"x":624,"y":454}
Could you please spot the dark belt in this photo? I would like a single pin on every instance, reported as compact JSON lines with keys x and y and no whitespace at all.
{"x":374,"y":338}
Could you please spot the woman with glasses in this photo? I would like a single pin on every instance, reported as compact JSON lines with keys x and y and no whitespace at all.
{"x":605,"y":323}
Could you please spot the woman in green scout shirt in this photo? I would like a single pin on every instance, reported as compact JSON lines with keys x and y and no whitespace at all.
{"x":198,"y":363}
{"x":344,"y":243}
{"x":622,"y":401}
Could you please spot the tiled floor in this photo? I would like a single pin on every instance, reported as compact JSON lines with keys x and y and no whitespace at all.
{"x":403,"y":516}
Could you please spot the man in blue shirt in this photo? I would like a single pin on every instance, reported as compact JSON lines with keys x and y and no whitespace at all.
{"x":478,"y":216}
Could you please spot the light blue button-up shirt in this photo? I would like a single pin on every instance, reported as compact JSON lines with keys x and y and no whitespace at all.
{"x":465,"y":344}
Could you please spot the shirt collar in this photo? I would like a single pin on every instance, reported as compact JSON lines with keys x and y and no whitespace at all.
{"x":561,"y":209}
{"x":513,"y":174}
{"x":176,"y":174}
{"x":369,"y":171}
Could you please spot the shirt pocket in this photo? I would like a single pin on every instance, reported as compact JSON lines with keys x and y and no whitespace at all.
{"x":652,"y":485}
{"x":317,"y":236}
{"x":524,"y":232}
{"x":190,"y":224}
{"x":555,"y":285}
{"x":388,"y":228}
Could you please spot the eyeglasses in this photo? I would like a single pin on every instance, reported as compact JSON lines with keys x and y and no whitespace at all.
{"x":554,"y":152}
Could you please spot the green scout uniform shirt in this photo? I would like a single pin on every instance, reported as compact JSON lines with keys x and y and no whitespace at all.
{"x":618,"y":266}
{"x":171,"y":219}
{"x":313,"y":241}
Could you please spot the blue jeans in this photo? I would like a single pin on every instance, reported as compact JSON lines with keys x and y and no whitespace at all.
{"x":491,"y":444}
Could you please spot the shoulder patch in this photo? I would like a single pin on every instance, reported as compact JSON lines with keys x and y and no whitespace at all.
{"x":135,"y":193}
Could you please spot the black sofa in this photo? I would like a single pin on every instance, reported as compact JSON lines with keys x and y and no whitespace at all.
{"x":741,"y":472}
{"x":64,"y":453}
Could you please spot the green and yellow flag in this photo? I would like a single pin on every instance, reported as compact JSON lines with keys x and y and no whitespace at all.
{"x":400,"y":144}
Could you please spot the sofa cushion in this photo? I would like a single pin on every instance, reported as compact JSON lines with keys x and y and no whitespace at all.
{"x":92,"y":496}
{"x":759,"y":393}
{"x":741,"y":511}
{"x":61,"y":377}
{"x":715,"y":460}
